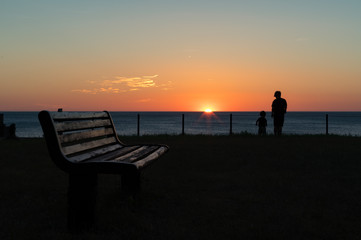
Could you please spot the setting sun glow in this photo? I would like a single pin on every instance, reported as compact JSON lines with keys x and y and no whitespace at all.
{"x":227,"y":56}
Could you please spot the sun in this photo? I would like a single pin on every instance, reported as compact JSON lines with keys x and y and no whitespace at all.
{"x":208,"y":110}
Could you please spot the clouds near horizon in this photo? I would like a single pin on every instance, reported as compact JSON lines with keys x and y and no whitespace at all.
{"x":121,"y":84}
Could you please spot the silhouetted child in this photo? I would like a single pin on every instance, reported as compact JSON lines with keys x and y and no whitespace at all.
{"x":262,"y":123}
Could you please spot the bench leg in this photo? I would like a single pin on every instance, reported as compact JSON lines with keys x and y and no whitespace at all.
{"x":130,"y":183}
{"x":81,"y":201}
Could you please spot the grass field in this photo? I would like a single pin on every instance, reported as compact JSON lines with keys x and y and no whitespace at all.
{"x":205,"y":187}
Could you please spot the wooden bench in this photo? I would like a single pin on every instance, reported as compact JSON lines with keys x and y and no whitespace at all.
{"x":84,"y":144}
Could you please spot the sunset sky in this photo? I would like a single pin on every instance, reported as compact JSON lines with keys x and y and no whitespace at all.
{"x":171,"y":55}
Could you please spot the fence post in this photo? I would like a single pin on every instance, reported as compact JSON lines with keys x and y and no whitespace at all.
{"x":2,"y":125}
{"x":183,"y":124}
{"x":138,"y":125}
{"x":230,"y":124}
{"x":326,"y":124}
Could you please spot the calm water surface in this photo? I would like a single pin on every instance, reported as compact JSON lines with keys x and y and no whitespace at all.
{"x":340,"y":123}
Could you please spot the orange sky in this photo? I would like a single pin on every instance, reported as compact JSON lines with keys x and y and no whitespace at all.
{"x":180,"y":57}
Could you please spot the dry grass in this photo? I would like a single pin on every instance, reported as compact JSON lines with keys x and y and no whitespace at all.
{"x":206,"y":187}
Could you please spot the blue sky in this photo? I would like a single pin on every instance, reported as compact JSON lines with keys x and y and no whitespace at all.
{"x":243,"y":48}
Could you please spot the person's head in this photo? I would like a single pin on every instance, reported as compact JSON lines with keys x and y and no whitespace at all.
{"x":277,"y":94}
{"x":262,"y":113}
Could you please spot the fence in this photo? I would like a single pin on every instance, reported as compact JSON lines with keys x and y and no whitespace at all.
{"x":230,"y":124}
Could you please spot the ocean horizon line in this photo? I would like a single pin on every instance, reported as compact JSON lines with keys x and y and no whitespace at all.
{"x":253,"y":111}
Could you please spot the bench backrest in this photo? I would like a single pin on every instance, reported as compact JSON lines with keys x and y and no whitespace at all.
{"x":69,"y":134}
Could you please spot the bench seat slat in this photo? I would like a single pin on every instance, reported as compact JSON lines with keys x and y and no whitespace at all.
{"x":79,"y":125}
{"x":145,"y":161}
{"x":78,"y":136}
{"x":87,"y":145}
{"x":136,"y":154}
{"x":110,"y":156}
{"x":78,"y":115}
{"x":95,"y":153}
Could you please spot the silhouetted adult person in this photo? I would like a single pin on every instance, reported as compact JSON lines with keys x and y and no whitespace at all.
{"x":279,"y":108}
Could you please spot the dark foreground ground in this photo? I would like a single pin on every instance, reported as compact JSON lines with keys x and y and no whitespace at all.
{"x":220,"y":187}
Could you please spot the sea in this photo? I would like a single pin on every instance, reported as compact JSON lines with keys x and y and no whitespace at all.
{"x":216,"y":123}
